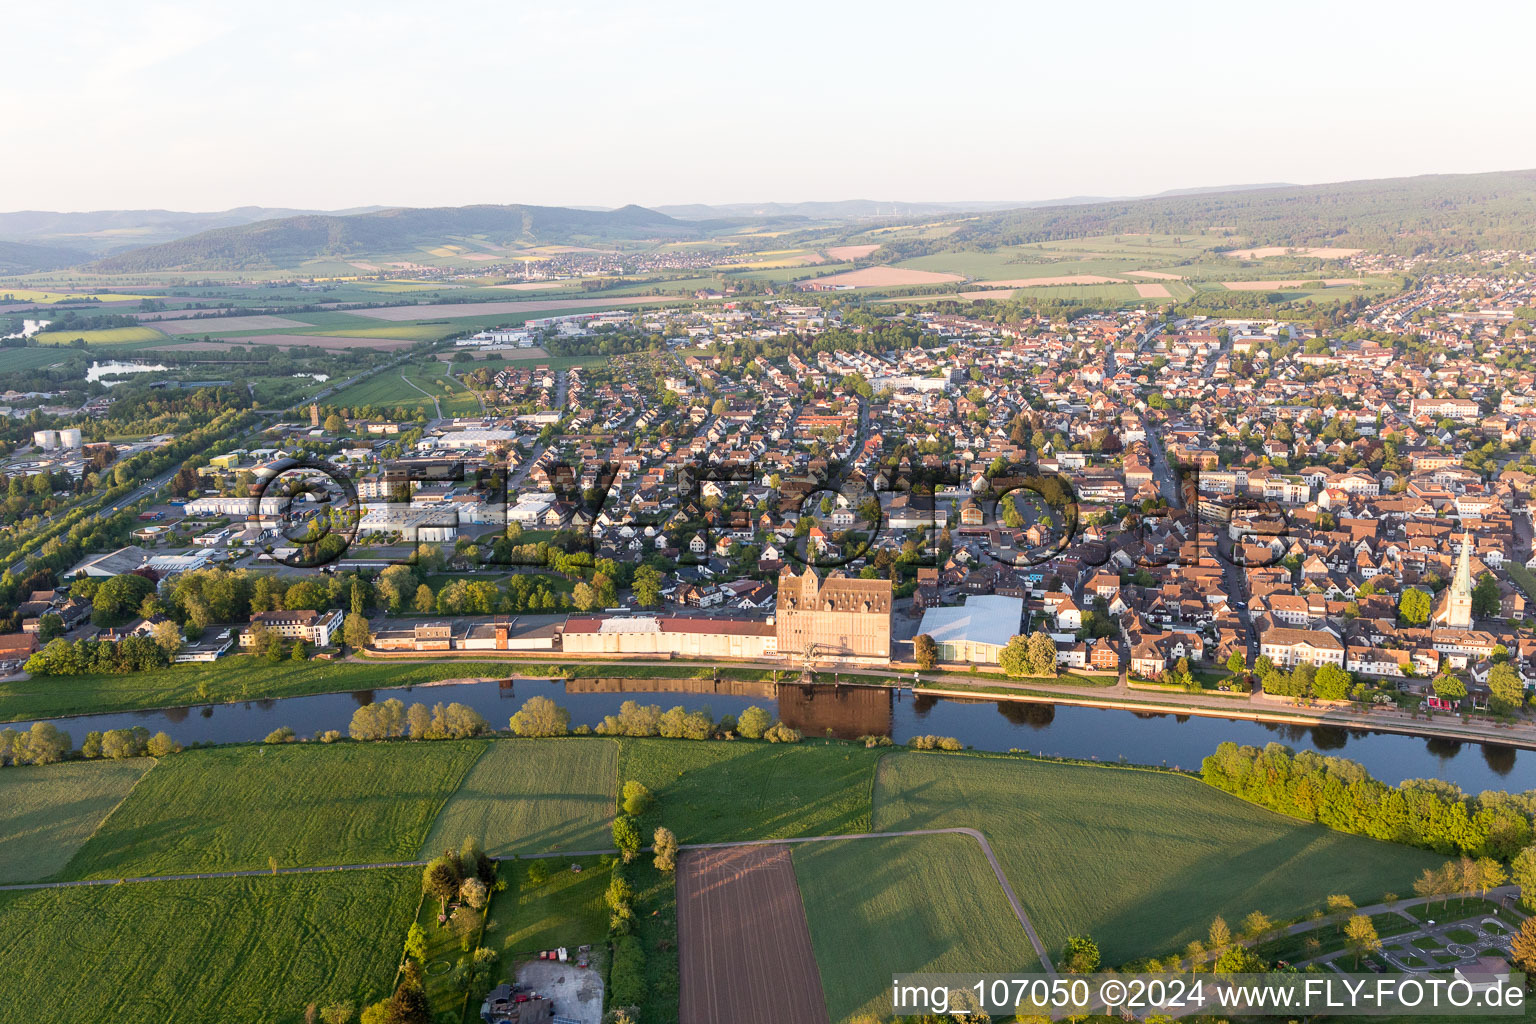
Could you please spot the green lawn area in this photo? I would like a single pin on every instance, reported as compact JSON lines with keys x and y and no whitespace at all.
{"x":1140,"y":860}
{"x":877,"y":907}
{"x":533,"y":796}
{"x":1319,"y":941}
{"x":444,"y":950}
{"x":1458,"y":909}
{"x":716,"y":791}
{"x":47,"y":812}
{"x":214,"y":951}
{"x":231,"y":678}
{"x":232,"y":808}
{"x":566,"y":909}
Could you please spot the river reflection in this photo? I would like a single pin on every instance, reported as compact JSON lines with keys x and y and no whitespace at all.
{"x":854,"y":711}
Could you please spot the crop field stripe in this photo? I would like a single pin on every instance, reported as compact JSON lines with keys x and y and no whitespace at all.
{"x":744,"y":942}
{"x":529,"y":795}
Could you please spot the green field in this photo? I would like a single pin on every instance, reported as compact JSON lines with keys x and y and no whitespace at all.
{"x":231,"y":678}
{"x":47,"y":812}
{"x":566,"y":909}
{"x":18,"y":360}
{"x":214,"y":951}
{"x":404,"y":386}
{"x":527,"y":796}
{"x":1140,"y":860}
{"x":232,"y":808}
{"x":713,"y":792}
{"x":877,"y":907}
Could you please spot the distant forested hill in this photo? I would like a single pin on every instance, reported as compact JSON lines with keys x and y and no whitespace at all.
{"x":22,"y":258}
{"x":291,"y":240}
{"x":1433,"y":213}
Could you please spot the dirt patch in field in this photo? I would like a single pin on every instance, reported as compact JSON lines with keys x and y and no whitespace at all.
{"x":1265,"y":286}
{"x":744,"y":947}
{"x":1156,"y":275}
{"x":452,"y":310}
{"x":1321,"y":252}
{"x":225,"y":324}
{"x":1042,"y":282}
{"x":1153,"y":291}
{"x":850,"y":252}
{"x":365,"y":266}
{"x":480,"y":257}
{"x":883,"y":277}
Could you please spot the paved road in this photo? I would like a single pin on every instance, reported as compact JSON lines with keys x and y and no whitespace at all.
{"x":986,"y":849}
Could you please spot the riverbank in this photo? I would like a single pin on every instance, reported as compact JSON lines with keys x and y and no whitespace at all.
{"x":244,"y":678}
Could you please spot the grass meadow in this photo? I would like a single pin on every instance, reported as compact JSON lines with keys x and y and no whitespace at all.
{"x":207,"y":951}
{"x":1140,"y":860}
{"x":714,"y":792}
{"x":878,"y":907}
{"x":48,"y":812}
{"x":527,"y":796}
{"x":231,"y":678}
{"x":233,"y":808}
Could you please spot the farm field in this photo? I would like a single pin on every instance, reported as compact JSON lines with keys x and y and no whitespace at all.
{"x":231,"y":678}
{"x":233,"y":808}
{"x":886,"y":277}
{"x":16,"y":360}
{"x":1109,"y":294}
{"x":533,"y":796}
{"x":743,"y":943}
{"x":105,"y":336}
{"x":227,"y":324}
{"x":48,"y":811}
{"x":507,"y":308}
{"x":202,"y":952}
{"x":9,"y":293}
{"x":1141,"y":860}
{"x":878,"y":907}
{"x":715,"y":792}
{"x":849,"y":252}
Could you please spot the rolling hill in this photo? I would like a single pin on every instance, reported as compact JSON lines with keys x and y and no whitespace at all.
{"x":289,"y":241}
{"x":26,"y":258}
{"x":1429,"y":213}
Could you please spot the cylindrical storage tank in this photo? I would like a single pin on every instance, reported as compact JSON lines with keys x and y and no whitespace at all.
{"x":70,"y":437}
{"x":47,"y":440}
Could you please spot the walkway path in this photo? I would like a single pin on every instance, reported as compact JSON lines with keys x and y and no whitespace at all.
{"x":986,"y":849}
{"x":435,"y":403}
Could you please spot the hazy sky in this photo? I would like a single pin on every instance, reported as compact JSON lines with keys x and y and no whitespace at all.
{"x":329,"y":104}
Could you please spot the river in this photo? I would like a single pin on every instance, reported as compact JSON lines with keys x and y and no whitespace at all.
{"x":854,"y":711}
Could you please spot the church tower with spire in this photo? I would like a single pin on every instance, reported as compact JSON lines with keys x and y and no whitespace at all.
{"x":1455,"y":609}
